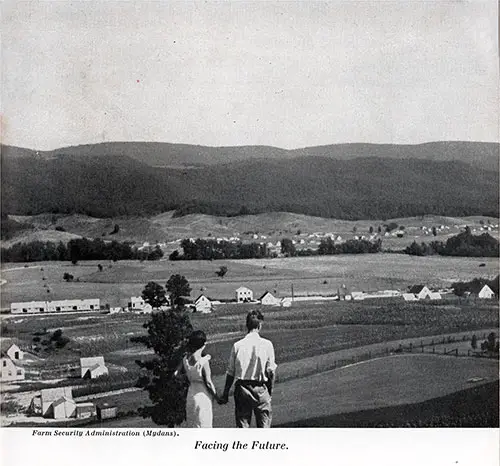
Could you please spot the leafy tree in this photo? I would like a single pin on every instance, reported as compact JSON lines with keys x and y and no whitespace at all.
{"x":222,"y":271}
{"x":68,"y":277}
{"x":371,"y":230}
{"x":154,"y":294}
{"x":155,"y":254}
{"x":287,"y":247}
{"x":56,"y":335}
{"x":379,"y":229}
{"x":167,"y":332}
{"x":391,"y":226}
{"x":178,"y":286}
{"x":99,"y":266}
{"x":491,"y":341}
{"x":174,"y":255}
{"x":473,"y":342}
{"x":434,"y":231}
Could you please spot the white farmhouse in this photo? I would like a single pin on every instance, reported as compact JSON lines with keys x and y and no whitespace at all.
{"x":203,"y":304}
{"x":486,"y":293}
{"x":136,"y":303}
{"x":9,"y":371}
{"x":244,"y":294}
{"x":15,"y":353}
{"x":267,"y":299}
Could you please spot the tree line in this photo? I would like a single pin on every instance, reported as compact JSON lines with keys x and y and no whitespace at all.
{"x":211,"y":249}
{"x":76,"y":250}
{"x":464,"y":244}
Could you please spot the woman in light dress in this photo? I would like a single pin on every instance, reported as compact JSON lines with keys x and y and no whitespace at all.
{"x":201,"y":390}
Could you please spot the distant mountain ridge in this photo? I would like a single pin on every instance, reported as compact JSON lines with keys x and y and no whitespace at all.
{"x":483,"y":154}
{"x":358,"y":188}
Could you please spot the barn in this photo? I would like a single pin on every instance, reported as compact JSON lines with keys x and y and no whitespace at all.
{"x":92,"y":368}
{"x":64,"y":408}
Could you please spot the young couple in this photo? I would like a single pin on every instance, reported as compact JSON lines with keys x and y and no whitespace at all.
{"x":251,"y":367}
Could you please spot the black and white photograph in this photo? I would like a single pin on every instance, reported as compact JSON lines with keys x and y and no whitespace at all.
{"x":249,"y":214}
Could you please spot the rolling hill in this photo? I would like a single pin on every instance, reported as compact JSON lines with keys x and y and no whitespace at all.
{"x":480,"y":154}
{"x":360,"y":188}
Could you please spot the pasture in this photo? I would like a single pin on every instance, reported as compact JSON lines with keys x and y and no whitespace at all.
{"x":118,"y":281}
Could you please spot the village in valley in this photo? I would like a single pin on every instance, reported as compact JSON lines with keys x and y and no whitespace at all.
{"x":177,"y":176}
{"x":69,"y":399}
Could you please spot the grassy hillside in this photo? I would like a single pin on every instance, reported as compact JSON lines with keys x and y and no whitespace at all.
{"x":272,"y":225}
{"x":362,"y":188}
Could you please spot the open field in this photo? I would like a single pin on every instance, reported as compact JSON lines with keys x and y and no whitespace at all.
{"x":308,"y":275}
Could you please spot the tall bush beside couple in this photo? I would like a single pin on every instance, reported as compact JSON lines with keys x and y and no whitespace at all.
{"x":167,"y":333}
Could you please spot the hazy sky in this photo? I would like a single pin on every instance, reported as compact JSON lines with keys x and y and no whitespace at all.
{"x":289,"y":74}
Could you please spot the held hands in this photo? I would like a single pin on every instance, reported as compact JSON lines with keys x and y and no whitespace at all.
{"x":222,"y":400}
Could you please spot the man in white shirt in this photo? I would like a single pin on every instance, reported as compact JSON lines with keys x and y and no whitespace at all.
{"x":252,"y":368}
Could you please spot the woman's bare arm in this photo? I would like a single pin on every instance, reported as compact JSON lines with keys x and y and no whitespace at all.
{"x":207,"y":379}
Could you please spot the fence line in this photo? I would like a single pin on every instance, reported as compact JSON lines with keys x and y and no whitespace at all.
{"x":331,"y":364}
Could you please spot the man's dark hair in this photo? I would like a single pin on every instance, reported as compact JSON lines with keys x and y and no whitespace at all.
{"x":254,"y":319}
{"x":196,"y":340}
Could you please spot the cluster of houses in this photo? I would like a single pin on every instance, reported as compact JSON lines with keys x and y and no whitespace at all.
{"x":58,"y":403}
{"x":421,"y":292}
{"x":12,"y":371}
{"x":66,"y":305}
{"x":205,"y":305}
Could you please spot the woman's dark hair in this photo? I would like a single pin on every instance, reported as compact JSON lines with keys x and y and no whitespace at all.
{"x":196,"y":340}
{"x":254,"y":320}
